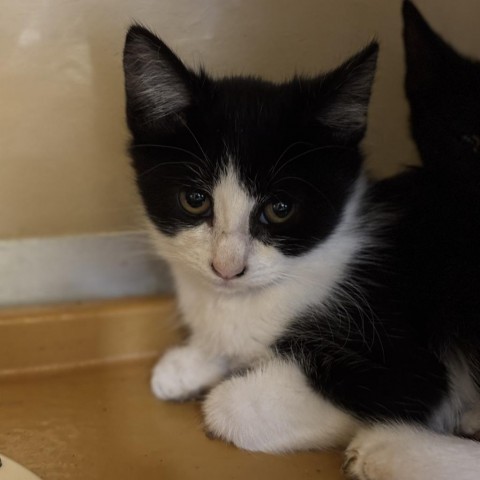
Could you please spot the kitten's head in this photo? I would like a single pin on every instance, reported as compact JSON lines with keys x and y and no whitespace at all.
{"x":443,"y":88}
{"x":240,"y":176}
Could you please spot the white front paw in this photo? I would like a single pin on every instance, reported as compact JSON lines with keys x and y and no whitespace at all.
{"x":235,"y":416}
{"x":184,"y":373}
{"x":271,"y":408}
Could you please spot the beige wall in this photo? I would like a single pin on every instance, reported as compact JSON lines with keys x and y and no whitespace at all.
{"x":62,"y":135}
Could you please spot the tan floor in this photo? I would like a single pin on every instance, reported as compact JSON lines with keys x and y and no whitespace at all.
{"x":101,"y":422}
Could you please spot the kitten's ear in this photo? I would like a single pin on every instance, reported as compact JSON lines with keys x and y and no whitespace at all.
{"x":426,"y":53}
{"x":157,"y":84}
{"x":348,"y":95}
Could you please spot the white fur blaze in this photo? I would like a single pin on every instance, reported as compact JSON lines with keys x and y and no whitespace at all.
{"x":272,"y":409}
{"x":232,"y":242}
{"x":184,"y":372}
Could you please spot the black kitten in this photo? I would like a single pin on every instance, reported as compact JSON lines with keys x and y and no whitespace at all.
{"x":438,"y":253}
{"x":443,"y":89}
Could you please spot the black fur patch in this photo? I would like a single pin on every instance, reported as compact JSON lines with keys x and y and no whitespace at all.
{"x":380,"y":350}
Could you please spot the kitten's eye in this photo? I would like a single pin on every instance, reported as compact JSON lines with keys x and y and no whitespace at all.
{"x":277,"y":211}
{"x":195,"y":202}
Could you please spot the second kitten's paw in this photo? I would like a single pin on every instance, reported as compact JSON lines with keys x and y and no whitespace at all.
{"x":353,"y":466}
{"x":369,"y":457}
{"x":184,"y":373}
{"x":408,"y":452}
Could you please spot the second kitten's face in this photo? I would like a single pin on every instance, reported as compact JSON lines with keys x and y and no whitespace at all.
{"x":241,"y":178}
{"x":443,"y":88}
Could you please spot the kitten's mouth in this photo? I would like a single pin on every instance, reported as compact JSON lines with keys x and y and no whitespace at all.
{"x":226,"y":284}
{"x":228,"y":276}
{"x":239,"y":285}
{"x":229,"y":285}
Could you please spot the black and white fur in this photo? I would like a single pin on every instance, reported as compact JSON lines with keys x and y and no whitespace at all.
{"x":355,"y":314}
{"x":443,"y":90}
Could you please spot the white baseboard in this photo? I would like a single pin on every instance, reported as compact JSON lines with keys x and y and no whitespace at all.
{"x":83,"y":267}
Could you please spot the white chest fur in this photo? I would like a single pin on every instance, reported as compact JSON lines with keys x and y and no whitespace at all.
{"x":242,"y":325}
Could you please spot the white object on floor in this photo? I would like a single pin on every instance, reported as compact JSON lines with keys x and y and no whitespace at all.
{"x":11,"y":470}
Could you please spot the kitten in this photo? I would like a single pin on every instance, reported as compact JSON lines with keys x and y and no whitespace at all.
{"x":321,"y":305}
{"x":443,"y":89}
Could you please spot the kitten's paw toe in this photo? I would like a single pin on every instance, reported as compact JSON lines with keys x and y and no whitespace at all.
{"x":184,"y":374}
{"x":352,"y":467}
{"x":166,"y":384}
{"x":209,"y":434}
{"x":369,"y":457}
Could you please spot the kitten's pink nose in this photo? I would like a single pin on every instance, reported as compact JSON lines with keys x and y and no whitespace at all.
{"x":230,"y":254}
{"x":228,"y":272}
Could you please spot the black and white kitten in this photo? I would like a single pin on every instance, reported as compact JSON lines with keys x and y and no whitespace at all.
{"x":337,"y":303}
{"x":443,"y":88}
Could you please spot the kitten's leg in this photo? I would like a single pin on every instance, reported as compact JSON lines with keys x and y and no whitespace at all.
{"x":403,"y":452}
{"x":185,"y":372}
{"x":273,"y":409}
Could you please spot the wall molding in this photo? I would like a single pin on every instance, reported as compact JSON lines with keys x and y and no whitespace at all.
{"x":85,"y":334}
{"x":77,"y":268}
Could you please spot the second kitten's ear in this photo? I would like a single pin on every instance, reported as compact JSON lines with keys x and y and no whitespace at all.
{"x":347,"y":95}
{"x":157,"y":84}
{"x":426,"y":54}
